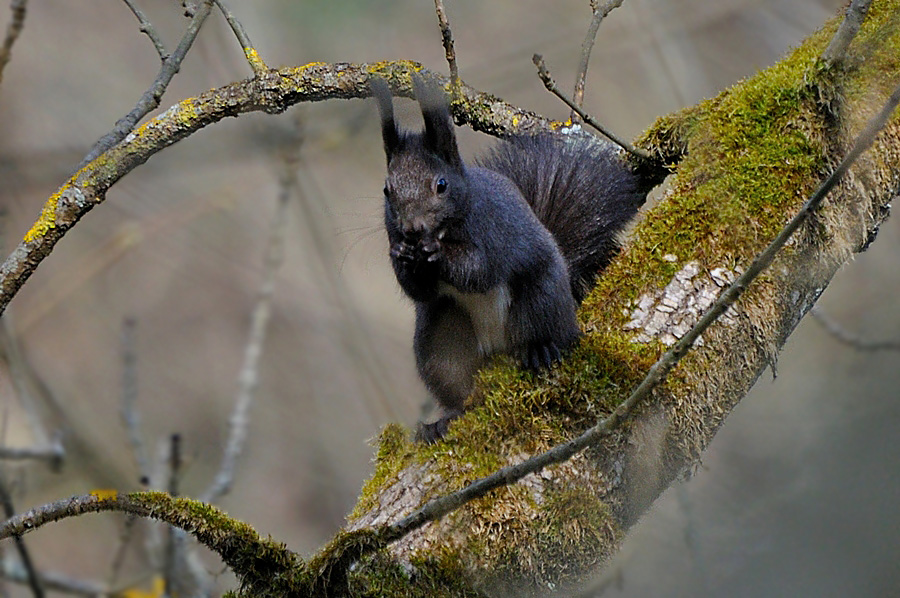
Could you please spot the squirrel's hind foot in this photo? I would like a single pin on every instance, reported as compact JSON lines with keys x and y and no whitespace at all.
{"x":429,"y":433}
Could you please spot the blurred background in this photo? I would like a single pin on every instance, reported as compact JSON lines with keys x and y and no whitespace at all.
{"x":796,"y":496}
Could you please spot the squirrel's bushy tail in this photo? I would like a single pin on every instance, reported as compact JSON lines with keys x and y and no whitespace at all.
{"x":580,"y":189}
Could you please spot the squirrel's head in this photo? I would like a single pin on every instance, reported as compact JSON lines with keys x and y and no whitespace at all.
{"x":425,"y":189}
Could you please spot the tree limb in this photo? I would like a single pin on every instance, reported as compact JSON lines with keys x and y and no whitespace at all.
{"x":239,"y":546}
{"x":272,"y":93}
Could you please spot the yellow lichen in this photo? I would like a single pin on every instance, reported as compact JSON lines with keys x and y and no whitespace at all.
{"x":105,"y":494}
{"x":157,"y":590}
{"x":255,"y":61}
{"x":47,"y":219}
{"x":187,"y":111}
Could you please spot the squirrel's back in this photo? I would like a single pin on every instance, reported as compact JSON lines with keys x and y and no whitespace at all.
{"x":580,"y":190}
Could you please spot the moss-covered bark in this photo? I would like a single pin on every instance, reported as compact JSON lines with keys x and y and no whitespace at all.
{"x":747,"y":160}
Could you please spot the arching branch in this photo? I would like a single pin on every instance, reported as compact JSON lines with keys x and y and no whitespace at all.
{"x":238,"y":544}
{"x":274,"y":92}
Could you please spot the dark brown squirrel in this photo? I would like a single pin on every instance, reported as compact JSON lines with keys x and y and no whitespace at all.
{"x":496,"y":256}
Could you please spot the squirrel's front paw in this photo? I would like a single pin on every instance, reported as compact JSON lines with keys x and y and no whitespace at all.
{"x":541,"y":355}
{"x":403,"y":252}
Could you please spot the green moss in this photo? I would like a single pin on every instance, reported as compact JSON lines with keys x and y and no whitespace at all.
{"x":395,"y":452}
{"x":439,"y":574}
{"x":573,"y":535}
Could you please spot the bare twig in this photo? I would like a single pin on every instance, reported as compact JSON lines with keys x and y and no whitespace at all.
{"x":248,"y":379}
{"x":848,"y":338}
{"x":599,"y":13}
{"x":447,"y":40}
{"x":853,"y":19}
{"x":53,"y":453}
{"x":34,"y":581}
{"x":437,"y":508}
{"x":174,"y":548}
{"x":12,"y":32}
{"x":130,"y":415}
{"x":56,"y":582}
{"x":118,"y":559}
{"x":551,"y":86}
{"x":375,"y":387}
{"x":148,"y":29}
{"x":151,"y":98}
{"x":256,"y":63}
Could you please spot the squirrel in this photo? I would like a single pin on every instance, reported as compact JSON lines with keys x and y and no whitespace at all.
{"x":497,"y":256}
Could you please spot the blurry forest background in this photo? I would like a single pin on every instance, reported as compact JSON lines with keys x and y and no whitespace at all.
{"x":179,"y":244}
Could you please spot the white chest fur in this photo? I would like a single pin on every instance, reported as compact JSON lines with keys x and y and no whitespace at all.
{"x":488,"y":313}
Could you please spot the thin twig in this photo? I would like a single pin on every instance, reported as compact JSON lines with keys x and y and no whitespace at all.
{"x":148,"y":29}
{"x":131,"y":417}
{"x":551,"y":86}
{"x":248,"y":380}
{"x":848,"y":338}
{"x":118,"y":559}
{"x":849,"y":27}
{"x":375,"y":388}
{"x":56,"y":582}
{"x":12,"y":32}
{"x":151,"y":98}
{"x":587,"y":46}
{"x":437,"y":508}
{"x":256,"y":63}
{"x":174,"y":544}
{"x":447,"y":40}
{"x":53,"y":453}
{"x":34,"y":581}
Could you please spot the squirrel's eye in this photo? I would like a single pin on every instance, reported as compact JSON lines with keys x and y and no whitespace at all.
{"x":387,"y":192}
{"x":441,"y":185}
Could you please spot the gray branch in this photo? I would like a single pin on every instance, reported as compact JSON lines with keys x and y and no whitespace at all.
{"x":151,"y":98}
{"x":587,"y":46}
{"x":856,"y":14}
{"x":149,"y":30}
{"x":12,"y":32}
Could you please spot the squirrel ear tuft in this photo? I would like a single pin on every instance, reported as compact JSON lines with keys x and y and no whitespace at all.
{"x":440,"y":136}
{"x":389,"y":131}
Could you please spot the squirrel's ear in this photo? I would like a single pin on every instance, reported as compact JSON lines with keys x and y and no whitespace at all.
{"x":389,"y":131}
{"x":440,"y":136}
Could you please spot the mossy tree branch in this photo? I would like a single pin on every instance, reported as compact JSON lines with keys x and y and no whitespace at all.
{"x":273,"y":92}
{"x":256,"y":560}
